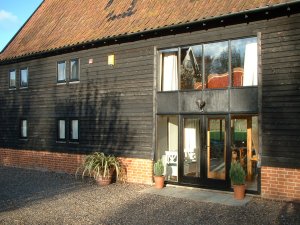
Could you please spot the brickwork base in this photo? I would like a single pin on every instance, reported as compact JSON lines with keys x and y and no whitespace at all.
{"x":280,"y":183}
{"x":138,"y":170}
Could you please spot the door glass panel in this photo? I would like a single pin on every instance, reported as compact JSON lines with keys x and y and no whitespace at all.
{"x":216,"y":149}
{"x":244,"y":146}
{"x":191,"y":146}
{"x":167,"y":145}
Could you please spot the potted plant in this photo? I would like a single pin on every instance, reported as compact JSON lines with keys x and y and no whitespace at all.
{"x":159,"y":178}
{"x":101,"y":167}
{"x":237,"y":176}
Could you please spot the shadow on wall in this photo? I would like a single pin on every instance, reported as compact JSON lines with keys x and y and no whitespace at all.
{"x":103,"y":127}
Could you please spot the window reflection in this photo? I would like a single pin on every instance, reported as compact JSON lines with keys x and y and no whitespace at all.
{"x":191,"y":68}
{"x":244,"y":62}
{"x":24,"y":78}
{"x":216,"y":64}
{"x":244,"y":146}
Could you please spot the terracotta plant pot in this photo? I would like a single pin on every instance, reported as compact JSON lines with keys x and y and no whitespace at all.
{"x":103,"y":181}
{"x":239,"y":191}
{"x":159,"y":181}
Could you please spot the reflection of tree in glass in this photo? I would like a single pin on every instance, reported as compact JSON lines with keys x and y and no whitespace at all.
{"x":190,"y":70}
{"x":236,"y":60}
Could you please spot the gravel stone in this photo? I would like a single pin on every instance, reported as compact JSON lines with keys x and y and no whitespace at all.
{"x":37,"y":197}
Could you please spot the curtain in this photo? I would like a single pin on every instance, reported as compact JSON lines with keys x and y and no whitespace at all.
{"x":170,"y":74}
{"x":250,"y":65}
{"x":173,"y":134}
{"x":191,"y":135}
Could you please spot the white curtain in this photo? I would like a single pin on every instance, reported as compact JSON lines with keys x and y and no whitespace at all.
{"x":173,"y":134}
{"x":250,"y":65}
{"x":191,"y":133}
{"x":170,"y":74}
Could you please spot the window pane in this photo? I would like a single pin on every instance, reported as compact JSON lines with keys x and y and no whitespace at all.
{"x":24,"y":78}
{"x":191,"y":68}
{"x":244,"y":62}
{"x":191,"y":147}
{"x":74,"y":130}
{"x":169,"y":76}
{"x":244,"y":146}
{"x":62,"y":129}
{"x":74,"y":64}
{"x":216,"y":64}
{"x":24,"y":128}
{"x":12,"y":79}
{"x":61,"y":71}
{"x":216,"y":149}
{"x":167,"y":145}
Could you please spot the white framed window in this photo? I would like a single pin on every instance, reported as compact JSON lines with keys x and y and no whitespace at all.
{"x":23,"y":128}
{"x":61,"y":129}
{"x":74,"y":130}
{"x":24,"y":77}
{"x":12,"y":79}
{"x":61,"y":72}
{"x":74,"y":70}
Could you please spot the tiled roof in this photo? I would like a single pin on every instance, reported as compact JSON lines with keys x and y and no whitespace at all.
{"x":61,"y":23}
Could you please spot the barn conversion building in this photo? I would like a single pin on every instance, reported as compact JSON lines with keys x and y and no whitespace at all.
{"x":199,"y":84}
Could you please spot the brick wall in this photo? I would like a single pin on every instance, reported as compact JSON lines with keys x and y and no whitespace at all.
{"x":280,"y":183}
{"x":138,"y":170}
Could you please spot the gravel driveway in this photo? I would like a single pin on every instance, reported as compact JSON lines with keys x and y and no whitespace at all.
{"x":34,"y":197}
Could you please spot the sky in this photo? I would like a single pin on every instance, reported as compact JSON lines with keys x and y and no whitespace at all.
{"x":13,"y":14}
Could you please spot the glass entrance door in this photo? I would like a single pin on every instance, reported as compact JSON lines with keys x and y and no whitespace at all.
{"x":203,"y":155}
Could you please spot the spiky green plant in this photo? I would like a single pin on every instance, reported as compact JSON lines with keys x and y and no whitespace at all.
{"x":237,"y":174}
{"x":158,"y":168}
{"x":98,"y":164}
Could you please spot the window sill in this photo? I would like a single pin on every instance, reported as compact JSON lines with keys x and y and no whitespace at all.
{"x":23,"y":88}
{"x":74,"y":142}
{"x":12,"y":89}
{"x":61,"y":142}
{"x":23,"y":139}
{"x":74,"y":82}
{"x":62,"y":83}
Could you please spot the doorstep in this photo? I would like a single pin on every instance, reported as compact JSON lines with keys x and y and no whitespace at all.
{"x":198,"y":194}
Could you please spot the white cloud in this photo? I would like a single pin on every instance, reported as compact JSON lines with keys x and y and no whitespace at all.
{"x":7,"y":16}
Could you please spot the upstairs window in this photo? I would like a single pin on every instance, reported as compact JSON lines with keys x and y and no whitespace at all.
{"x":191,"y":68}
{"x":210,"y":66}
{"x":61,"y":72}
{"x":74,"y":131}
{"x":169,"y":74}
{"x":244,"y":62}
{"x":61,"y":127}
{"x":12,"y":79}
{"x":24,"y":78}
{"x":23,"y":129}
{"x":74,"y":69}
{"x":216,"y":65}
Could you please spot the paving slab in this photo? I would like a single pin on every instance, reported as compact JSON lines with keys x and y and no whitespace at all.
{"x":197,"y":194}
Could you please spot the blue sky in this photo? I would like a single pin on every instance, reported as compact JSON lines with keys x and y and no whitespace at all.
{"x":13,"y":14}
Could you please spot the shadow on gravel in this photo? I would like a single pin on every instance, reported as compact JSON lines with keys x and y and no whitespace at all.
{"x":20,"y":187}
